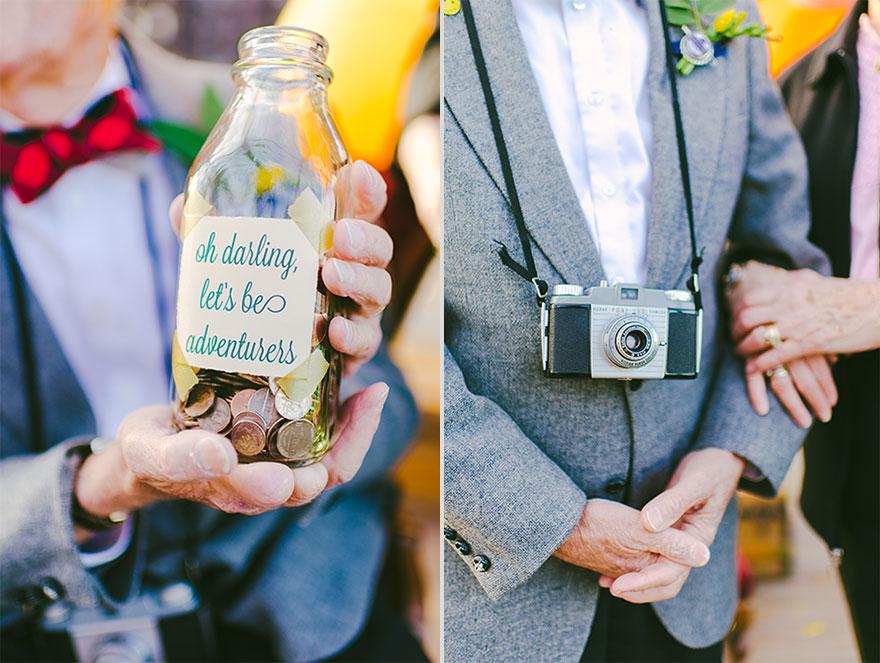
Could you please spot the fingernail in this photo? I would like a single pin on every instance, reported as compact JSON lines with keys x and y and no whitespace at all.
{"x":654,"y":518}
{"x":343,"y":271}
{"x":825,"y":418}
{"x":212,"y":456}
{"x":356,"y":237}
{"x":701,"y":555}
{"x":349,"y":330}
{"x":383,"y":395}
{"x":376,"y":180}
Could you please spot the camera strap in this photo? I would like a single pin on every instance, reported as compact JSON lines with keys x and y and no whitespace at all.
{"x":528,"y":270}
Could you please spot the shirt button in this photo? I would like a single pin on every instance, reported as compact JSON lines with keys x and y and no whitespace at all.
{"x":482,"y":563}
{"x":578,"y":5}
{"x":595,"y":98}
{"x":449,"y":534}
{"x":463,"y":547}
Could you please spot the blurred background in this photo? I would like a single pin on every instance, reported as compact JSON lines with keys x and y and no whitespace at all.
{"x":385,"y":99}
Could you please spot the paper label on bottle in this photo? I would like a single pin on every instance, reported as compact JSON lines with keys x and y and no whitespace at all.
{"x":246,"y":298}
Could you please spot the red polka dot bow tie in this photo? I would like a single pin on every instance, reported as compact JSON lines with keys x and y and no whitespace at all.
{"x":32,"y":160}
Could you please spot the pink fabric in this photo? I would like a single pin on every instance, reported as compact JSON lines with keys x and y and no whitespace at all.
{"x":865,"y":205}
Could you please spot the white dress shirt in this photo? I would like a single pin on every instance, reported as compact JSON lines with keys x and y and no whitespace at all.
{"x":590,"y":60}
{"x":82,"y":246}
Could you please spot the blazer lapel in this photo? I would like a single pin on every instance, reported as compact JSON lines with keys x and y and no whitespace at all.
{"x":704,"y":108}
{"x":552,"y":213}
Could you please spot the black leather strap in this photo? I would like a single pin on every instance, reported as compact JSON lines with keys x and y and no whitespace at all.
{"x":528,"y":270}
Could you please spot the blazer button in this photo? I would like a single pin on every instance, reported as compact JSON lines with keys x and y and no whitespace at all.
{"x":482,"y":563}
{"x":615,"y":486}
{"x":463,"y":547}
{"x":450,"y":534}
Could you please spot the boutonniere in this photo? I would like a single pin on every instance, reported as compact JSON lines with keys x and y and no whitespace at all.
{"x":708,"y":26}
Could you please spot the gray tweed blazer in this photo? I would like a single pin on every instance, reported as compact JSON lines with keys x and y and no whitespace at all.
{"x":524,"y":452}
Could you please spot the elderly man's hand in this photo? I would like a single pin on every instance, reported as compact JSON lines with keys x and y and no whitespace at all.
{"x":357,"y":268}
{"x":150,"y":462}
{"x":693,"y":503}
{"x":610,"y":539}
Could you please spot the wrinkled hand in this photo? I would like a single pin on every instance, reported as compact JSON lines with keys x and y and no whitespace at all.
{"x":357,"y":269}
{"x":693,"y":503}
{"x":148,"y":462}
{"x":814,"y":314}
{"x":610,"y":539}
{"x":809,"y":379}
{"x":769,"y":295}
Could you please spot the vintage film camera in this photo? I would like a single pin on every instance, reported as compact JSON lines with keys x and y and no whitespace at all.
{"x":622,"y":332}
{"x":167,"y":625}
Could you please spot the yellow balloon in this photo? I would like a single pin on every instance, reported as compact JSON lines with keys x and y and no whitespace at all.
{"x":801,"y":24}
{"x":374,"y":46}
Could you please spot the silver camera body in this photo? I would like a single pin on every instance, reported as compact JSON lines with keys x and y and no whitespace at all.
{"x":622,"y":332}
{"x":159,"y":627}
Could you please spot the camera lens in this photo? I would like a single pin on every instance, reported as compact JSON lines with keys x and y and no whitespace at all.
{"x":635,"y":341}
{"x":631,"y":341}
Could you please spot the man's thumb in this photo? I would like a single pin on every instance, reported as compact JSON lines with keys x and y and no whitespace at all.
{"x":666,"y":509}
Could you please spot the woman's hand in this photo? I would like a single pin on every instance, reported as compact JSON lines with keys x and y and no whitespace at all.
{"x":808,"y":379}
{"x":149,"y":462}
{"x":357,"y":268}
{"x":814,"y":315}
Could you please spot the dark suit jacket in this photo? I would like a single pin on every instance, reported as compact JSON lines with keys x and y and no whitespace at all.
{"x":821,"y":90}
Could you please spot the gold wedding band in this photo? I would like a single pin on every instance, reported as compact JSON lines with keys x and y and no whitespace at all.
{"x":772,"y":337}
{"x":778,"y":372}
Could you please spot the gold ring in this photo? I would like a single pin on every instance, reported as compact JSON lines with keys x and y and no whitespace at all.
{"x":778,"y":372}
{"x":772,"y":337}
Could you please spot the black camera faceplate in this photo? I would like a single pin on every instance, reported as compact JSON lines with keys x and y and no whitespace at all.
{"x":568,"y":342}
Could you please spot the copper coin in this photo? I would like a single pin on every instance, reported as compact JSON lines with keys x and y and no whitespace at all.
{"x":248,"y":437}
{"x":240,"y":401}
{"x":262,"y":403}
{"x":319,"y":329}
{"x":253,"y":417}
{"x":217,"y":418}
{"x":295,"y":438}
{"x":200,"y":399}
{"x":291,"y":409}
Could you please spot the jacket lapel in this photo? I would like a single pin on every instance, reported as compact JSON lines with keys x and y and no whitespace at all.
{"x":552,"y":213}
{"x":704,"y":108}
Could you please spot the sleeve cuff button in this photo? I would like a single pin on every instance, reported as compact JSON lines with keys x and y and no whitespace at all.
{"x":482,"y":563}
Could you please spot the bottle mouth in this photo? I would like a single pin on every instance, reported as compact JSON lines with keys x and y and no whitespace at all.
{"x":284,"y":45}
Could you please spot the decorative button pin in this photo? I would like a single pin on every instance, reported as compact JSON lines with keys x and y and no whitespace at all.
{"x":449,"y":534}
{"x":482,"y":563}
{"x":451,"y":7}
{"x":463,"y":547}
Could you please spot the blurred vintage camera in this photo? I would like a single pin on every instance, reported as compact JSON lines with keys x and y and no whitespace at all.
{"x":163,"y":626}
{"x":623,"y":332}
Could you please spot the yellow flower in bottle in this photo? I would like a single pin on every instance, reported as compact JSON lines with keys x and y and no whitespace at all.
{"x":267,"y":178}
{"x":724,"y":20}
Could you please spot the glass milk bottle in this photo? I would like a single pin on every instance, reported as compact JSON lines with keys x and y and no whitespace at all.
{"x":251,"y":358}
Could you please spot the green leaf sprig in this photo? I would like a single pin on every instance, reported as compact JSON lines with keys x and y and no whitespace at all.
{"x":727,"y":24}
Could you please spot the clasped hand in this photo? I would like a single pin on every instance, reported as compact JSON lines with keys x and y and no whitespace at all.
{"x":646,"y":556}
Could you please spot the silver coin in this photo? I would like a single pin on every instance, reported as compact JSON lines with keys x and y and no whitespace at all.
{"x":261,"y":403}
{"x":294,"y":440}
{"x":273,"y":385}
{"x":291,"y":409}
{"x":217,"y":418}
